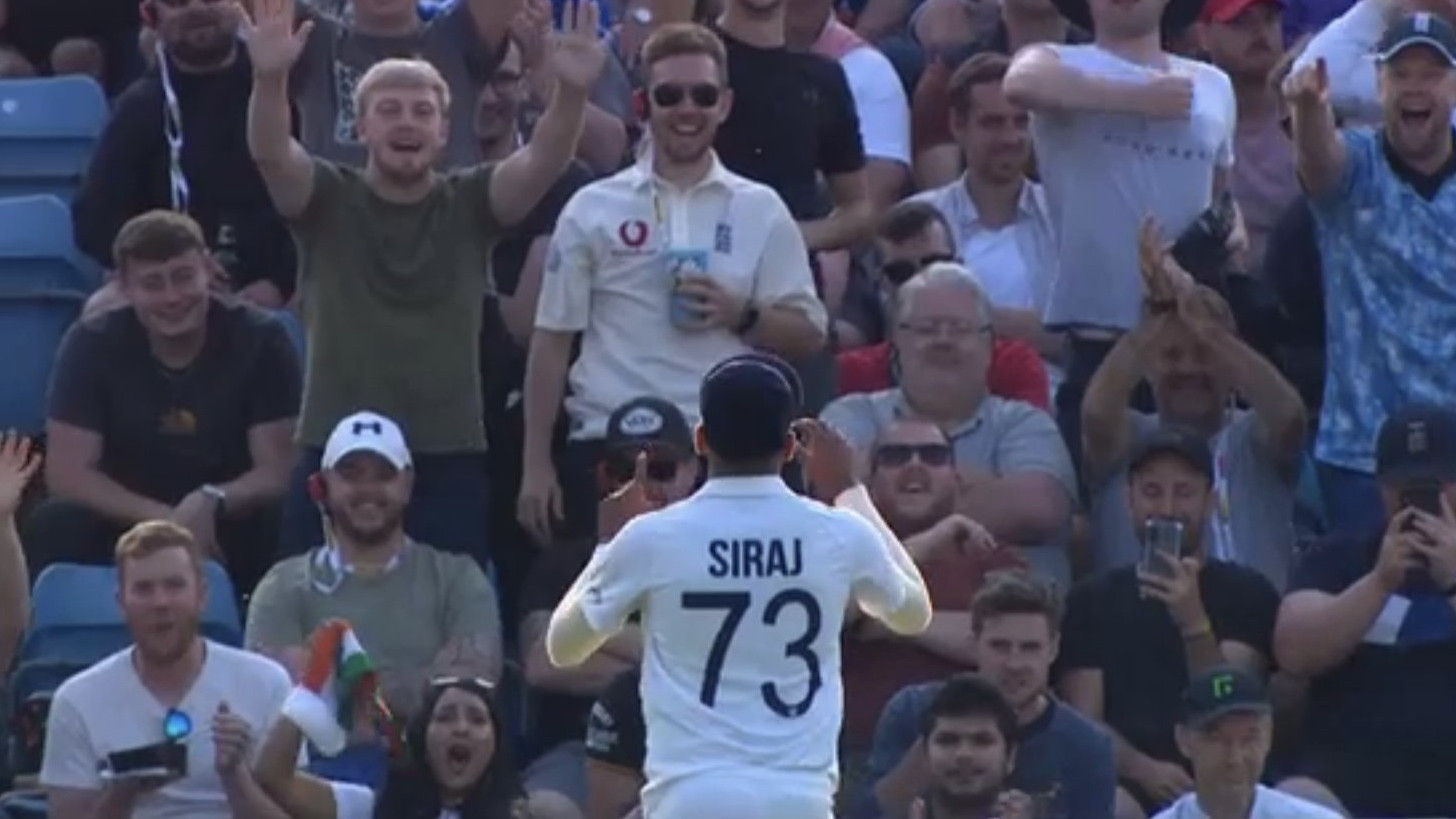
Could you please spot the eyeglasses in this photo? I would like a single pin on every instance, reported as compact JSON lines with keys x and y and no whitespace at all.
{"x":956,"y":328}
{"x":896,"y":455}
{"x":176,"y":725}
{"x":670,"y":95}
{"x":899,"y":271}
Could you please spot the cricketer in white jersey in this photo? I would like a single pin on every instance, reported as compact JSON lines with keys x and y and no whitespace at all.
{"x":743,"y":590}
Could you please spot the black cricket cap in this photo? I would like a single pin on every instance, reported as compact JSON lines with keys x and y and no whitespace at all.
{"x":1220,"y":691}
{"x":1176,"y":442}
{"x":648,"y":420}
{"x":1419,"y":29}
{"x":1417,"y":444}
{"x":748,"y":403}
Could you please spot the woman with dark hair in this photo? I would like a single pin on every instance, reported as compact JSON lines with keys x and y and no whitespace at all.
{"x":456,"y":765}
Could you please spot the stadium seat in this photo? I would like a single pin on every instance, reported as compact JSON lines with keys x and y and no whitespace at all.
{"x":38,"y":248}
{"x":31,"y":327}
{"x":48,"y":129}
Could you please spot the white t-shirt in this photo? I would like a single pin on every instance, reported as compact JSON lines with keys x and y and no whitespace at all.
{"x":357,"y":802}
{"x":1268,"y":804}
{"x":742,"y":590}
{"x":880,"y":102}
{"x":1103,"y":173}
{"x":105,"y":709}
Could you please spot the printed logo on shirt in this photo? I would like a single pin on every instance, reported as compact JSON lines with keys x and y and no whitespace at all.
{"x":723,"y":239}
{"x":633,"y":234}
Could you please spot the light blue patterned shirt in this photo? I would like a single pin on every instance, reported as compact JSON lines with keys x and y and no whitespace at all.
{"x":1390,"y":300}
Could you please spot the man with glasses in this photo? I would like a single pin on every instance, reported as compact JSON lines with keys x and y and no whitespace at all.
{"x":912,"y":236}
{"x":663,"y":271}
{"x":1016,"y":473}
{"x":647,"y":425}
{"x":914,"y":485}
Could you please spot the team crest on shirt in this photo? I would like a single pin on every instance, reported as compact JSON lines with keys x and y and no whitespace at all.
{"x":633,"y":235}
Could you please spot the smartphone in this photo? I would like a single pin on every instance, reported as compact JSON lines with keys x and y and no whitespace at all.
{"x":1425,"y":497}
{"x":1161,"y":536}
{"x":164,"y":760}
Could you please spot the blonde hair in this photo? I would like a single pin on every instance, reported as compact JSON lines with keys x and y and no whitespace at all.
{"x":401,"y":73}
{"x":152,"y":536}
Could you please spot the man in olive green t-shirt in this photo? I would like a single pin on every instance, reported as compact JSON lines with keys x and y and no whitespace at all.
{"x":393,"y":259}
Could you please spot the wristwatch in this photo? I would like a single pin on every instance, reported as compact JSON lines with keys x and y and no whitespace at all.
{"x":217,"y":493}
{"x":748,"y":321}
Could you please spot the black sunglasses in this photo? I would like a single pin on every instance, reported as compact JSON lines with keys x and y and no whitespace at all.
{"x":899,"y":271}
{"x":660,"y":468}
{"x":669,"y":95}
{"x":895,"y":455}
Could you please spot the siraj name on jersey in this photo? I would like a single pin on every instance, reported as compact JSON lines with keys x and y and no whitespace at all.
{"x":750,"y":557}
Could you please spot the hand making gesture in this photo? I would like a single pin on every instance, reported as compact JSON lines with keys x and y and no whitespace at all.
{"x":827,"y":459}
{"x":17,"y":466}
{"x":1164,"y":280}
{"x":576,"y":55}
{"x":274,"y":36}
{"x":636,"y":497}
{"x":1309,"y":87}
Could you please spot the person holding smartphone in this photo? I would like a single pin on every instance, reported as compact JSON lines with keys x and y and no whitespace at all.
{"x":1133,"y":636}
{"x":1369,"y":621}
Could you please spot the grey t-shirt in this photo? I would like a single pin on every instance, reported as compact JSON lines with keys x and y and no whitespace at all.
{"x":1003,"y":437}
{"x":1255,"y":500}
{"x":336,"y":58}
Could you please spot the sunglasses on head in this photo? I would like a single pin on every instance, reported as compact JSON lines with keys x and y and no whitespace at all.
{"x":899,"y":271}
{"x":669,"y":95}
{"x":176,"y":725}
{"x":893,"y":455}
{"x":478,"y":683}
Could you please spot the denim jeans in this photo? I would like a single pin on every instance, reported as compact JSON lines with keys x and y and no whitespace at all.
{"x":448,"y":510}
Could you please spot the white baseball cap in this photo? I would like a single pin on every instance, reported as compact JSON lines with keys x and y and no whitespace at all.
{"x":367,"y":432}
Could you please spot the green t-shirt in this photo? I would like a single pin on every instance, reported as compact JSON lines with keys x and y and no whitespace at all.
{"x":391,"y":296}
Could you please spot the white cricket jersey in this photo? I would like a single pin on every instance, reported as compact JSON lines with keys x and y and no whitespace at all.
{"x":742,"y":590}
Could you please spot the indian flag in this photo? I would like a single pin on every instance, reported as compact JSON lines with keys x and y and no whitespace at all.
{"x":339,"y":687}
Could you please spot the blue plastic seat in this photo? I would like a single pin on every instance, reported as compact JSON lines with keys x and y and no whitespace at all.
{"x":38,"y":247}
{"x":48,"y":129}
{"x":31,"y":327}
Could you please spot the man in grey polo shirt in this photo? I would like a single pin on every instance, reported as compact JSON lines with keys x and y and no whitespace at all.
{"x":1017,"y":477}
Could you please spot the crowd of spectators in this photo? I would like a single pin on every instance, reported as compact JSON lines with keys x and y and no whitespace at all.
{"x":1136,"y":311}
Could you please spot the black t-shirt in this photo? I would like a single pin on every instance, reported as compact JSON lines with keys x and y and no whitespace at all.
{"x":1386,"y":698}
{"x":129,"y":174}
{"x":166,"y":432}
{"x":560,"y":717}
{"x":616,"y":733}
{"x":1110,"y":627}
{"x":793,"y":118}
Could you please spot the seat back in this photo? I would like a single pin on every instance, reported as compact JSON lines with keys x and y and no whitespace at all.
{"x":48,"y":129}
{"x":31,"y":328}
{"x":38,"y":247}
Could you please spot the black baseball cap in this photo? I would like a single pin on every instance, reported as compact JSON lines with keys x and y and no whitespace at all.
{"x":748,"y":403}
{"x":1177,"y":442}
{"x":648,"y":420}
{"x":1417,"y":444}
{"x":1419,"y":29}
{"x":1220,"y":691}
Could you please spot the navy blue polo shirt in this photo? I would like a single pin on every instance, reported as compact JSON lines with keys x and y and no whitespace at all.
{"x":1397,"y":696}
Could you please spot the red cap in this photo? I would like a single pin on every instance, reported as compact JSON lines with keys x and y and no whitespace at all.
{"x":1222,"y":11}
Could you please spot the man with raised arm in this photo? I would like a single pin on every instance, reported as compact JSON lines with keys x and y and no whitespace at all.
{"x":393,"y":259}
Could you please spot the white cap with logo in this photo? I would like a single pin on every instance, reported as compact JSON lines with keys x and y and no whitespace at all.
{"x":367,"y":432}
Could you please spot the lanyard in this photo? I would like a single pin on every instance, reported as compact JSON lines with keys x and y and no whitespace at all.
{"x":1223,"y":546}
{"x":172,"y":130}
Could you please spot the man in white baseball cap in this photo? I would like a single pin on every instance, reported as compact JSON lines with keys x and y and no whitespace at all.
{"x":367,"y":432}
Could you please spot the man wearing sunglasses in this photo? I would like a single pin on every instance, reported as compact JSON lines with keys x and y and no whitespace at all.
{"x":911,"y":237}
{"x":646,"y":425}
{"x":663,"y":271}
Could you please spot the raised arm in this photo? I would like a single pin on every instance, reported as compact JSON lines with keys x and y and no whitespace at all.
{"x":275,"y":40}
{"x":1039,"y":80}
{"x":17,"y":466}
{"x":577,"y":56}
{"x":301,"y":795}
{"x":1320,"y":156}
